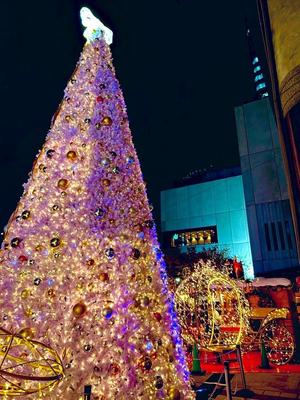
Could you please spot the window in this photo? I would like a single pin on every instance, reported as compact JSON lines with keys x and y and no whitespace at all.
{"x":258,"y":77}
{"x":256,"y":69}
{"x":288,"y":234}
{"x":281,"y":235}
{"x":274,"y":236}
{"x":260,"y":86}
{"x":255,"y":60}
{"x":265,"y":94}
{"x":193,"y":237}
{"x":267,"y":237}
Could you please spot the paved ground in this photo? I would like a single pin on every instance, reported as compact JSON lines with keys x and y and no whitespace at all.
{"x":266,"y":386}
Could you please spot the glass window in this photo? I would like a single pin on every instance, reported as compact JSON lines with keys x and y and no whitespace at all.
{"x":255,"y":60}
{"x":274,"y":236}
{"x":258,"y":77}
{"x":256,"y":69}
{"x":288,"y":234}
{"x":260,"y":86}
{"x":281,"y":235}
{"x":267,"y":237}
{"x":266,"y":94}
{"x":192,"y":238}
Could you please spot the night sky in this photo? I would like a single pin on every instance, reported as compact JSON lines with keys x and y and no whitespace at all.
{"x":182,"y":64}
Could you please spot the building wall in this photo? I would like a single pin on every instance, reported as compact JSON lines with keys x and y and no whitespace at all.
{"x":266,"y":195}
{"x":217,"y":203}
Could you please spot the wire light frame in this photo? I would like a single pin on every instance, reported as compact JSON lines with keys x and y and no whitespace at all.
{"x":212,"y":310}
{"x":26,"y":365}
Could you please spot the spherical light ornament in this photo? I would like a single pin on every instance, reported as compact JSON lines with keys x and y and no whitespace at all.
{"x":147,"y":364}
{"x":110,"y":253}
{"x":90,"y":262}
{"x":108,"y":312}
{"x":99,"y":212}
{"x":25,"y":294}
{"x":42,"y":168}
{"x":55,"y":242}
{"x":174,"y":394}
{"x":106,"y":121}
{"x":104,"y":277}
{"x":71,"y":155}
{"x":50,"y":153}
{"x":106,"y":182}
{"x":130,"y":160}
{"x":113,"y":154}
{"x":105,"y":162}
{"x":63,"y":183}
{"x":159,"y":383}
{"x":157,"y":316}
{"x":79,"y":309}
{"x":114,"y":369}
{"x":25,"y":214}
{"x":116,"y":170}
{"x":51,"y":293}
{"x":135,"y":254}
{"x":87,"y":347}
{"x":37,"y":281}
{"x":15,"y":242}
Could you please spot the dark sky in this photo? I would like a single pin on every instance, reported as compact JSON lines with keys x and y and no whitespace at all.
{"x":183,"y":66}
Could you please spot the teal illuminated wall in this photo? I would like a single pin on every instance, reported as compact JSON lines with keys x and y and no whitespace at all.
{"x":217,"y":203}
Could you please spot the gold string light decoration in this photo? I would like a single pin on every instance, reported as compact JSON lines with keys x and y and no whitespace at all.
{"x":26,"y":365}
{"x":212,"y":310}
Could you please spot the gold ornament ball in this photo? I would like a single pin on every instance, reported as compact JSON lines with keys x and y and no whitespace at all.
{"x":174,"y":394}
{"x":106,"y":121}
{"x":79,"y":309}
{"x":28,"y":312}
{"x":25,"y":294}
{"x":63,"y":183}
{"x":51,"y":293}
{"x":103,"y":276}
{"x":27,"y":333}
{"x":71,"y":155}
{"x":106,"y":182}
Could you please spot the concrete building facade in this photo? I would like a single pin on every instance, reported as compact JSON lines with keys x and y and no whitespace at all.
{"x":266,"y":196}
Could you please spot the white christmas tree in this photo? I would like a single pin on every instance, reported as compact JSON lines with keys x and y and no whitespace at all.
{"x":84,"y":299}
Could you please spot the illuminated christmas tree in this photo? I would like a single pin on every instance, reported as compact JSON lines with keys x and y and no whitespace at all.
{"x":84,"y":299}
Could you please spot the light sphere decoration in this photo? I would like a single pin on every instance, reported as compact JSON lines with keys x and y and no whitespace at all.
{"x":213,"y":311}
{"x":27,"y":366}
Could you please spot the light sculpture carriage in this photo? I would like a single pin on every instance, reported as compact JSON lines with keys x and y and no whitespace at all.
{"x":215,"y":315}
{"x":213,"y":311}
